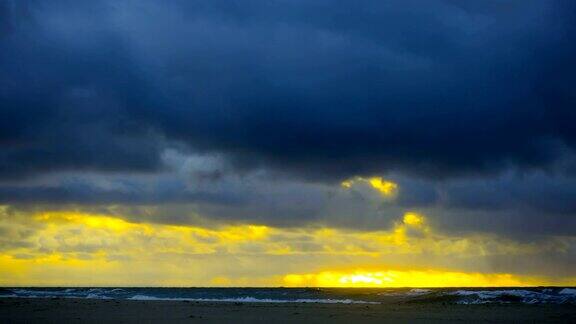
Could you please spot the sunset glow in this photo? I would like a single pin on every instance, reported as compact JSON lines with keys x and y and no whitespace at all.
{"x":66,"y":248}
{"x":409,"y":278}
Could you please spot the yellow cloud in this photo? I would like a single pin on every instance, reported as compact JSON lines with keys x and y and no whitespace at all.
{"x":384,"y":187}
{"x":72,"y":248}
{"x":413,"y":219}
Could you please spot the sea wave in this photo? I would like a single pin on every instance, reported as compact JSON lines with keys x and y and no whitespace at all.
{"x":88,"y":293}
{"x":409,"y":293}
{"x":418,"y":292}
{"x":524,"y":296}
{"x":255,"y":300}
{"x":568,"y":291}
{"x":550,"y":295}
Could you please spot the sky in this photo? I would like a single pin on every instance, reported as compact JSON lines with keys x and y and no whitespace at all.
{"x":287,"y":143}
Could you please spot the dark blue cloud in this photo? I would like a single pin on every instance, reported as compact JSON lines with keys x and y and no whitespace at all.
{"x":332,"y":90}
{"x":319,"y":88}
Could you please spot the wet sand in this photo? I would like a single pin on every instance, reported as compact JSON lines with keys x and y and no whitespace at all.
{"x":19,"y":310}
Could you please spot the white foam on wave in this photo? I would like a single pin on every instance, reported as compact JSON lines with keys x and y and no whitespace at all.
{"x":96,"y":296}
{"x":526,"y":296}
{"x":411,"y":293}
{"x":418,"y":292}
{"x":35,"y":292}
{"x":255,"y":300}
{"x":489,"y":294}
{"x":568,"y":291}
{"x":92,"y":293}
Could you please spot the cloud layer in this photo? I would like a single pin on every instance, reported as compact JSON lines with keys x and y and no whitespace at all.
{"x":320,"y":89}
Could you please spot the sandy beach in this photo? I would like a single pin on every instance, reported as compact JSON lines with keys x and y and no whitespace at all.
{"x":19,"y":310}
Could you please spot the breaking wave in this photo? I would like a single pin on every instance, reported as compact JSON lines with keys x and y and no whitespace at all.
{"x":499,"y":296}
{"x":256,"y":300}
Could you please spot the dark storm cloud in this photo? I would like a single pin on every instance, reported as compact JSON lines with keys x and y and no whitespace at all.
{"x":429,"y":89}
{"x":325,"y":89}
{"x":63,"y":106}
{"x":86,"y":194}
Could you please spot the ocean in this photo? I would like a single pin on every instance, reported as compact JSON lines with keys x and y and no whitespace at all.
{"x":541,"y":295}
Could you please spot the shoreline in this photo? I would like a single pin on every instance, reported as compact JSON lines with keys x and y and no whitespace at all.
{"x":58,"y":310}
